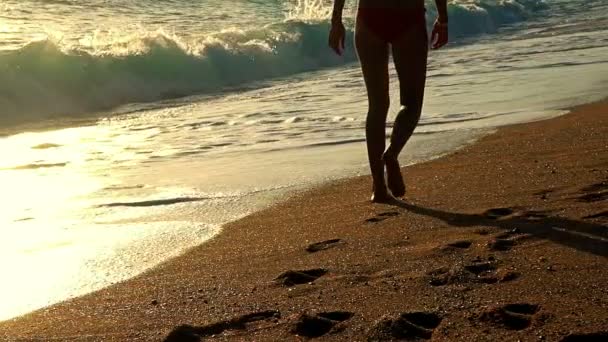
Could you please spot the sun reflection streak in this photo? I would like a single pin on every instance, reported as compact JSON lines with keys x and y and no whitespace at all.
{"x":51,"y":245}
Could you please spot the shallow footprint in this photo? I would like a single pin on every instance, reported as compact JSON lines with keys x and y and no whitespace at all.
{"x":406,"y":326}
{"x":323,"y":245}
{"x":477,"y":271}
{"x":501,"y":245}
{"x":596,"y":187}
{"x":461,"y":244}
{"x":534,"y":215}
{"x":188,"y":333}
{"x":506,"y":241}
{"x":497,"y":213}
{"x":292,"y":278}
{"x":594,"y":197}
{"x":511,"y":316}
{"x":320,"y":324}
{"x":375,"y":219}
{"x":382,"y":216}
{"x":480,"y":267}
{"x":389,"y":214}
{"x":603,"y":214}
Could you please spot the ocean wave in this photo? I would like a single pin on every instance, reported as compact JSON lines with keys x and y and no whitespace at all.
{"x":45,"y":80}
{"x":487,"y":16}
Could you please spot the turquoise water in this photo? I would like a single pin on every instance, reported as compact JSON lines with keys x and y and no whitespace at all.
{"x":62,"y":58}
{"x":132,"y":130}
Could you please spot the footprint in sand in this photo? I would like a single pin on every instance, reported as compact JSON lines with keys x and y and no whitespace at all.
{"x":480,"y":267}
{"x":382,"y":216}
{"x":596,"y":187}
{"x":510,"y":316}
{"x":506,"y":241}
{"x":188,"y":333}
{"x":603,"y":214}
{"x":389,"y":214}
{"x":456,"y":246}
{"x":460,"y":244}
{"x":535,"y":215}
{"x":319,"y":324}
{"x":595,"y":192}
{"x":406,"y":326}
{"x":477,"y":271}
{"x":498,"y":213}
{"x":292,"y":278}
{"x":590,"y":337}
{"x":501,"y":245}
{"x":323,"y":245}
{"x":482,"y":231}
{"x":594,"y":197}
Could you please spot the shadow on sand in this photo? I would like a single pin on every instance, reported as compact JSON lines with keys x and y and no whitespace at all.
{"x":584,"y":236}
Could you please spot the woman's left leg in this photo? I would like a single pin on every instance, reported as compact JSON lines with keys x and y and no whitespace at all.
{"x":373,"y":55}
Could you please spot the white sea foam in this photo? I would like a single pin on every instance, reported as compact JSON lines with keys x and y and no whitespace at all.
{"x":104,"y":69}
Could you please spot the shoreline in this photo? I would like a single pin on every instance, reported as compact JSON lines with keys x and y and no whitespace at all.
{"x":191,"y":289}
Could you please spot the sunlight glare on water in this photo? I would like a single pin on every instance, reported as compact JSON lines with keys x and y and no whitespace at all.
{"x":57,"y":240}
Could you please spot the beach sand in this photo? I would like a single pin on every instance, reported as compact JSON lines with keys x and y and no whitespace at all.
{"x":506,"y":239}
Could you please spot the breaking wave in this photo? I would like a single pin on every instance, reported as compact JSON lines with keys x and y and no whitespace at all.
{"x":44,"y":79}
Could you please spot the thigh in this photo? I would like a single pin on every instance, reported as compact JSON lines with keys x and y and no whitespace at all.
{"x":373,"y":55}
{"x":410,"y":53}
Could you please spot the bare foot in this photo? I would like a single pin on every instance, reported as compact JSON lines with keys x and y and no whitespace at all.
{"x":394,"y":177}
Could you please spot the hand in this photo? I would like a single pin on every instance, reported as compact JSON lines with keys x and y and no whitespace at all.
{"x":439,"y":37}
{"x":337,"y":34}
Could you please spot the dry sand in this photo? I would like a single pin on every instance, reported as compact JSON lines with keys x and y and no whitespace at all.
{"x":506,"y":239}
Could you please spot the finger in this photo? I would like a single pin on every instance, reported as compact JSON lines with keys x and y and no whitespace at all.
{"x":437,"y":43}
{"x":334,"y":45}
{"x":434,"y":39}
{"x":444,"y":39}
{"x":336,"y":48}
{"x":440,"y":43}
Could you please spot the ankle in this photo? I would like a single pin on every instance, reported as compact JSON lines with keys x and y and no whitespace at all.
{"x":379,"y":190}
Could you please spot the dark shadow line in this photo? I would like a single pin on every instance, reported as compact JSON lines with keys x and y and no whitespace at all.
{"x":584,"y":236}
{"x":152,"y":203}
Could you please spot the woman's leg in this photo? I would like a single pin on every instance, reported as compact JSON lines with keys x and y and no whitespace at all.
{"x":410,"y":56}
{"x":373,"y":55}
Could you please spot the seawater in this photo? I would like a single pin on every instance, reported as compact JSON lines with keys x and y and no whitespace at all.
{"x":133,"y":130}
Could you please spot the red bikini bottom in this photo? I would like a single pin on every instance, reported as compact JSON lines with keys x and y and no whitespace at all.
{"x":389,"y":24}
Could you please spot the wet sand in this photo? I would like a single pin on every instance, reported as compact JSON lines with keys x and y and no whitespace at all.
{"x":506,"y":239}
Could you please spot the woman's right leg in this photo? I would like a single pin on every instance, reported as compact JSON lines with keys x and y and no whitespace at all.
{"x":373,"y":55}
{"x":410,"y":56}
